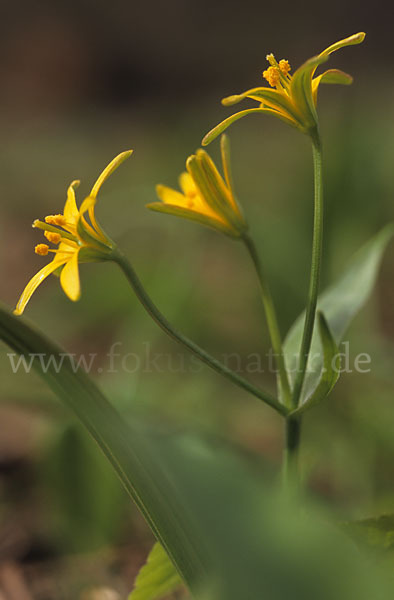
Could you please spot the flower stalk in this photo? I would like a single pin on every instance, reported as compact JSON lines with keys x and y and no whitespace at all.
{"x":272,"y":321}
{"x":317,"y":244}
{"x":290,"y":465}
{"x":168,"y":328}
{"x":293,"y":424}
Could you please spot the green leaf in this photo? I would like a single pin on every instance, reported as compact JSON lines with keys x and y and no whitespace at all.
{"x":181,"y":484}
{"x":157,"y":577}
{"x":329,"y":374}
{"x":130,"y":451}
{"x":226,"y":531}
{"x":339,"y":304}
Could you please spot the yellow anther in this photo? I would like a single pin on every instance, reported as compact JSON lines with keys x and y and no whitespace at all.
{"x":272,"y":75}
{"x":284,"y":66}
{"x":59,"y":220}
{"x":54,"y":238}
{"x":41,"y":249}
{"x":35,"y":222}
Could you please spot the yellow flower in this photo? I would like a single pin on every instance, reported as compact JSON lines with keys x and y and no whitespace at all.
{"x":295,"y":96}
{"x":205,"y":197}
{"x":78,"y":240}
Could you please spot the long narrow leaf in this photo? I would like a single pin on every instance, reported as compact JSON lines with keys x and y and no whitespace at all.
{"x":247,"y":544}
{"x":125,"y":446}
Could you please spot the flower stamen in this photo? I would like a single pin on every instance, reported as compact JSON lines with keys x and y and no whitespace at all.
{"x":272,"y":60}
{"x":63,"y":234}
{"x":54,"y":238}
{"x":277,"y":74}
{"x":285,"y":67}
{"x":59,"y":220}
{"x":41,"y":249}
{"x":272,"y":75}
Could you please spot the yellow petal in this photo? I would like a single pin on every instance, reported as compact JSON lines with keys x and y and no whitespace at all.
{"x":70,"y":208}
{"x":275,"y":99}
{"x":86,"y":205}
{"x":193,"y":215}
{"x":213,"y":134}
{"x":301,"y":90}
{"x":196,"y":204}
{"x":170,"y":196}
{"x":114,"y":164}
{"x":357,"y":38}
{"x":69,"y":278}
{"x":217,"y":201}
{"x":35,"y":282}
{"x":65,"y":250}
{"x":332,"y":76}
{"x":226,"y":162}
{"x":95,"y":232}
{"x":209,"y":180}
{"x":210,"y":186}
{"x":187,"y":184}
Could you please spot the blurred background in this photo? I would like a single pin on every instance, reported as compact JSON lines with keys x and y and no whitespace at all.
{"x":82,"y":81}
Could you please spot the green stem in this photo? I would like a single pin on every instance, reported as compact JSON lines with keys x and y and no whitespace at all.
{"x":272,"y":321}
{"x":315,"y":270}
{"x":291,"y":454}
{"x":206,"y":358}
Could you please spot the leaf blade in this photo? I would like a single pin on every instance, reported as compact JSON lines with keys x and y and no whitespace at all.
{"x":339,"y":304}
{"x":330,"y":372}
{"x":129,"y":451}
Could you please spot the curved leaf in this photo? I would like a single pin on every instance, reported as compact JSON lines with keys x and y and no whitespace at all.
{"x":220,"y":523}
{"x":130,"y":452}
{"x":330,"y":371}
{"x":339,"y":304}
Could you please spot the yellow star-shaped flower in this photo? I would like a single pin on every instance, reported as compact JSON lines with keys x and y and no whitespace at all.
{"x":294,"y":97}
{"x":78,"y":240}
{"x":205,"y":196}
